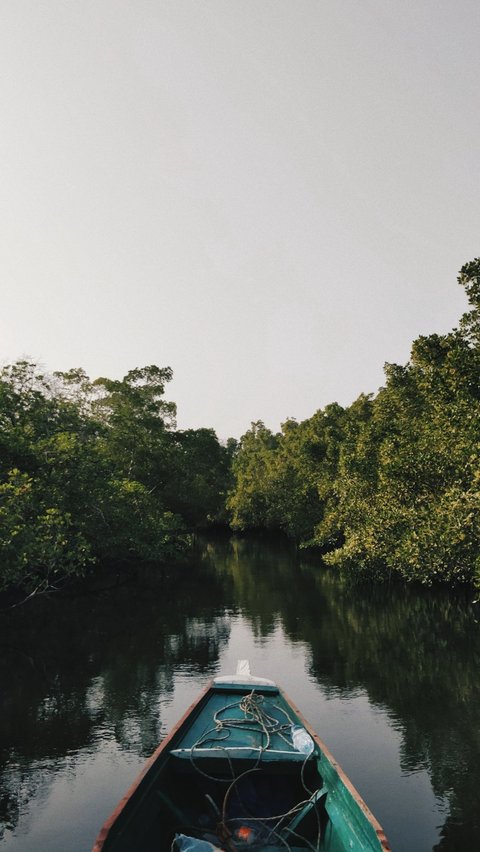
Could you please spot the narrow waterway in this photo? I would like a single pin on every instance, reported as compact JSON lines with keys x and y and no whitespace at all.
{"x":387,"y":676}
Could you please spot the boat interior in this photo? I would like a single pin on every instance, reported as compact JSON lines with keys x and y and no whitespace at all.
{"x":261,"y":806}
{"x":233,"y":778}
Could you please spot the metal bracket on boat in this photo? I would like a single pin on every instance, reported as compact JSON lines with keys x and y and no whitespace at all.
{"x":309,"y":806}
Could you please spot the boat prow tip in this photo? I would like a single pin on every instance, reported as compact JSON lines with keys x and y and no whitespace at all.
{"x":244,"y":675}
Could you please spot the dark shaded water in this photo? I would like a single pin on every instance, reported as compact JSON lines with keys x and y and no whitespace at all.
{"x":389,"y":677}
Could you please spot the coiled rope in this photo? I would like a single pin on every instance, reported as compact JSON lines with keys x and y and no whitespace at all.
{"x":255,"y":719}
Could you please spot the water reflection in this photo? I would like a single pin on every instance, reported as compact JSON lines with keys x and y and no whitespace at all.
{"x":416,"y":653}
{"x":89,"y":680}
{"x":99,"y":664}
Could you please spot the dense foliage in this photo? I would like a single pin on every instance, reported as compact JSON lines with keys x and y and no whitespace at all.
{"x":391,"y":484}
{"x":387,"y":486}
{"x":97,"y":470}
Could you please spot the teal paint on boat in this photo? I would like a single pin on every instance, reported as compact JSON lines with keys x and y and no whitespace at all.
{"x":228,"y":773}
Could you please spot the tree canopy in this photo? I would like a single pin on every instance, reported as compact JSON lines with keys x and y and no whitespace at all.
{"x":97,"y":470}
{"x":390,"y":485}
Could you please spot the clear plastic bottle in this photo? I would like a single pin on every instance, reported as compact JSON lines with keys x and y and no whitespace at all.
{"x":302,"y":740}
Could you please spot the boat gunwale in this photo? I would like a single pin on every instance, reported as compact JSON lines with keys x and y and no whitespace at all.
{"x":381,"y":836}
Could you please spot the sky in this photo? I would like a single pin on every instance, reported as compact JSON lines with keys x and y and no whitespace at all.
{"x":272,"y":197}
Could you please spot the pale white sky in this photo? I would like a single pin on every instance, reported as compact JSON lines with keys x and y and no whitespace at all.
{"x":273,"y":197}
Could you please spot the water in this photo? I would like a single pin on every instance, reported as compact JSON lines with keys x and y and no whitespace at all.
{"x":387,"y":676}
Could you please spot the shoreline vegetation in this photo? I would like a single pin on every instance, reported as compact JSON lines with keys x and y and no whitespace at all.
{"x":97,"y":472}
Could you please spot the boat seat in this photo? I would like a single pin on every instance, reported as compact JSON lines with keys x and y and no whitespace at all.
{"x":270,"y":755}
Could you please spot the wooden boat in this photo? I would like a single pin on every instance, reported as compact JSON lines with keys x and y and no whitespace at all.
{"x":242,"y":769}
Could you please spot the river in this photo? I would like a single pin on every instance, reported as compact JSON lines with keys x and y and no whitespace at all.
{"x":388,"y":676}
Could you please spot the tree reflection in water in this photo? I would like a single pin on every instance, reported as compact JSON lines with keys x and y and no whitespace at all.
{"x":98,"y":664}
{"x":415,"y":652}
{"x":79,"y":670}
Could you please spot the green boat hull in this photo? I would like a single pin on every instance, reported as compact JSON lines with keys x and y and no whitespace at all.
{"x":229,"y":774}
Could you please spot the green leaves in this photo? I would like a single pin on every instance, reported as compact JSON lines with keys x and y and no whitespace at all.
{"x":96,"y":470}
{"x":389,"y":486}
{"x":469,"y":277}
{"x":284,"y":481}
{"x":39,"y":543}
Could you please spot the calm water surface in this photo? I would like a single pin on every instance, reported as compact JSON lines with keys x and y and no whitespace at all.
{"x":389,"y":678}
